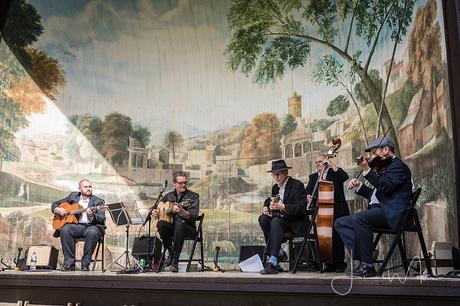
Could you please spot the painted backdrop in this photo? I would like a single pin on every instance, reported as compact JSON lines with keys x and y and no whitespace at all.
{"x":125,"y":92}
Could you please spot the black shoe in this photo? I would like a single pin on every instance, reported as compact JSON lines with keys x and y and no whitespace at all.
{"x":68,"y":268}
{"x":330,"y":268}
{"x":280,"y":269}
{"x":174,"y":267}
{"x":85,"y":268}
{"x":363,"y":270}
{"x":269,"y":269}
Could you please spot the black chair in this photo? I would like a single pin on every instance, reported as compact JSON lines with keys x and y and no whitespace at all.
{"x":410,"y":222}
{"x":295,"y":249}
{"x":308,"y":240}
{"x":94,"y":260}
{"x":196,"y":237}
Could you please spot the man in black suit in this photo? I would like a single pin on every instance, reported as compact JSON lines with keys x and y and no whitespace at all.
{"x":337,"y":176}
{"x":388,"y":200}
{"x":288,"y":214}
{"x":91,"y":225}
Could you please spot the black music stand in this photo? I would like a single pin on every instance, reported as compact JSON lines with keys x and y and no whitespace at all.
{"x":125,"y":214}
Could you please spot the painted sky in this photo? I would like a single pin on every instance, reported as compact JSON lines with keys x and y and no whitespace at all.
{"x":162,"y":64}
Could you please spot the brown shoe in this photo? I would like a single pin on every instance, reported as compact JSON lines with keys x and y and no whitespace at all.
{"x":269,"y":269}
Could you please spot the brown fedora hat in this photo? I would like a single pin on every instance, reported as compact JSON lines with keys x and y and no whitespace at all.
{"x":279,"y":165}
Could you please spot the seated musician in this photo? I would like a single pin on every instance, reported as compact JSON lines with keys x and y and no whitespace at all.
{"x":288,"y":214}
{"x":388,"y":200}
{"x":173,"y":234}
{"x":90,"y":226}
{"x":337,"y":176}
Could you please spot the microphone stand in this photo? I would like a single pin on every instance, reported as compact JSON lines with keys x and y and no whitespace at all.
{"x":149,"y":220}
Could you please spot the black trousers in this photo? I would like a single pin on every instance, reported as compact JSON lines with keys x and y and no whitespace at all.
{"x":274,"y":229}
{"x":71,"y":231}
{"x":356,"y":232}
{"x":175,"y":233}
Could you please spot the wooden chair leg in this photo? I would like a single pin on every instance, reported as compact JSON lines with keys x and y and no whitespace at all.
{"x":96,"y":255}
{"x":162,"y":259}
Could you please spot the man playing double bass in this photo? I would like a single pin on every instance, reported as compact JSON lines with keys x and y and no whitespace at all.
{"x":337,"y":176}
{"x":388,"y":200}
{"x":173,"y":234}
{"x":284,"y":212}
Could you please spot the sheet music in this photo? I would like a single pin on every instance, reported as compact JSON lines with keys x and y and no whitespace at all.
{"x":133,"y":212}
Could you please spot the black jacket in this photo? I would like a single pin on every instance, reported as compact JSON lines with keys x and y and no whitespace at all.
{"x":295,"y":200}
{"x":394,"y":190}
{"x":99,"y":214}
{"x":192,"y":197}
{"x":337,"y":178}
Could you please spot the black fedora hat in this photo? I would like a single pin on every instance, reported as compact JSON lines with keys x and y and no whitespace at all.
{"x":279,"y":165}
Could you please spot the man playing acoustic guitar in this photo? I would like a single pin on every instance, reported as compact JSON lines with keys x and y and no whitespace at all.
{"x":88,"y":224}
{"x":173,"y":233}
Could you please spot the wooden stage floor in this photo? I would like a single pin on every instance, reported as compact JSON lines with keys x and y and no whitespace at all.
{"x":217,"y":288}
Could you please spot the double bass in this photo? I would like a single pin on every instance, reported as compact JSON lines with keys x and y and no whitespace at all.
{"x":324,"y":209}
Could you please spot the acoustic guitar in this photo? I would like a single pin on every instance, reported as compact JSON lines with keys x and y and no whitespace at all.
{"x":165,"y":209}
{"x":72,"y":210}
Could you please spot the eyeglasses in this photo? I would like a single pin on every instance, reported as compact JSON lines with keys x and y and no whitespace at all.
{"x":182,"y":183}
{"x":318,"y":162}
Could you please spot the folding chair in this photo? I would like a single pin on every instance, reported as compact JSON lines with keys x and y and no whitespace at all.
{"x":410,"y":222}
{"x":308,"y":238}
{"x":98,"y":246}
{"x":197,"y":237}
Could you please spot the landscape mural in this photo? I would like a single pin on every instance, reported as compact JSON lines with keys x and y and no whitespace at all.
{"x":126,"y":92}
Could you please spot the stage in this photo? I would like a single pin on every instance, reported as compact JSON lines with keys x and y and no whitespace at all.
{"x":217,"y":288}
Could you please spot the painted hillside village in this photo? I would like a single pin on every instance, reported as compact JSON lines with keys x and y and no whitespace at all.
{"x":231,"y":190}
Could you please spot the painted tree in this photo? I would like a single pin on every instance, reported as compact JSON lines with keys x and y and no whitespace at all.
{"x":23,"y":27}
{"x":142,"y":135}
{"x":46,"y":72}
{"x":359,"y":89}
{"x":332,"y":72}
{"x":116,"y":130}
{"x":262,"y":140}
{"x":91,"y":127}
{"x":337,"y":106}
{"x":11,"y":121}
{"x":269,"y":36}
{"x":172,"y":141}
{"x":289,"y":125}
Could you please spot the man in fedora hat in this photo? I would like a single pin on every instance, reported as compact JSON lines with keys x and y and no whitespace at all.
{"x":388,"y":200}
{"x":284,"y":211}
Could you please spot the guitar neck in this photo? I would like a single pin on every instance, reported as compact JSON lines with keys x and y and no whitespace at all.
{"x":77,"y":211}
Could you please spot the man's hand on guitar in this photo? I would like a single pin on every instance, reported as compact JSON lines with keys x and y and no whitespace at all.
{"x":277,"y":206}
{"x":60,"y":211}
{"x":176,"y":209}
{"x":309,"y":198}
{"x":89,"y":212}
{"x":265,"y":211}
{"x":155,"y":213}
